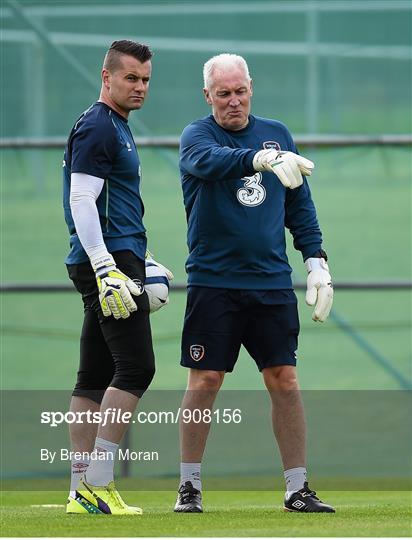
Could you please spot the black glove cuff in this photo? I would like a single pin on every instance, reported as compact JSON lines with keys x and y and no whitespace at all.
{"x":320,"y":254}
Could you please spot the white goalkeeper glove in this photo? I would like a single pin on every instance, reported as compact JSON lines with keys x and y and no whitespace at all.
{"x":319,"y":288}
{"x":287,"y":166}
{"x":149,"y":258}
{"x":115,"y":288}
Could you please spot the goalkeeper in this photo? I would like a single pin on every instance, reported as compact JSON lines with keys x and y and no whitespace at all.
{"x":243,"y":184}
{"x":103,"y":211}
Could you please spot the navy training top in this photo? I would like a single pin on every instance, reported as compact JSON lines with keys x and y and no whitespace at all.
{"x":101,"y":144}
{"x":237,"y":216}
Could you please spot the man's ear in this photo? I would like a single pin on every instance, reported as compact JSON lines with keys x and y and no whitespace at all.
{"x":207,"y":96}
{"x":251,"y":87}
{"x":106,"y":78}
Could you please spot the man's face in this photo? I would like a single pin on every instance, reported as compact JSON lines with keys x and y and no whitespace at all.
{"x":126,"y":86}
{"x":229,"y":96}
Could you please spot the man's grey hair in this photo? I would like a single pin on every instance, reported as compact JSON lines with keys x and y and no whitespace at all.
{"x":223,"y":61}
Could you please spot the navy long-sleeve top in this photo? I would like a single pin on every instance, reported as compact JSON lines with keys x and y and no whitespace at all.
{"x":237,"y":216}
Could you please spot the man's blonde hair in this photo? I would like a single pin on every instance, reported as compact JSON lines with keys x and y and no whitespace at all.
{"x":223,"y":61}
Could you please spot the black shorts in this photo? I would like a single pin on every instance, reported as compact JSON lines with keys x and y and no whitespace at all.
{"x":116,"y":353}
{"x":219,"y":321}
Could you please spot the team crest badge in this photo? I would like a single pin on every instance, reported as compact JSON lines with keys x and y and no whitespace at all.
{"x":197,"y":352}
{"x":271,"y":145}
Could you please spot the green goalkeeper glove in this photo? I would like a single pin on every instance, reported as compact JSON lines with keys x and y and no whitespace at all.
{"x":319,"y":288}
{"x":115,"y":288}
{"x":287,"y":166}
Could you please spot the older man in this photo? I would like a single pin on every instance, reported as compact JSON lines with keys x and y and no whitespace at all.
{"x":243,"y":183}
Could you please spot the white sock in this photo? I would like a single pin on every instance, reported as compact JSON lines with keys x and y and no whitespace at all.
{"x":295,"y":478}
{"x":78,"y":468}
{"x":190,"y":472}
{"x":100,"y":470}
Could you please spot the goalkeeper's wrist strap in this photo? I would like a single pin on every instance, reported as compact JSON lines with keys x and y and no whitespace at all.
{"x":316,"y":263}
{"x":259,"y":159}
{"x":102,"y":263}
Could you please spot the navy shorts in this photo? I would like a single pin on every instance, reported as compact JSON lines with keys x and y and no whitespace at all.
{"x":219,"y":321}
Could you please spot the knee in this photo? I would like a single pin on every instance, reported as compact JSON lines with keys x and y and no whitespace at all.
{"x":146,"y":376}
{"x":281,"y":378}
{"x":134,"y":379}
{"x":205,"y":380}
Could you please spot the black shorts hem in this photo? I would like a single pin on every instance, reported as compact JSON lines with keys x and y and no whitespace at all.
{"x":202,"y":367}
{"x":291,"y":362}
{"x":93,"y":395}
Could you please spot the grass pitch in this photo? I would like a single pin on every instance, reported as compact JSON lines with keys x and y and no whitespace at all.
{"x":227,"y":513}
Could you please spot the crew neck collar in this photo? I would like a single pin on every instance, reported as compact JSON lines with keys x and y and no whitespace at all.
{"x":112,"y":111}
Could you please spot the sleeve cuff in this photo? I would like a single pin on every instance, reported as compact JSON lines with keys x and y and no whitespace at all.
{"x":310,"y":250}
